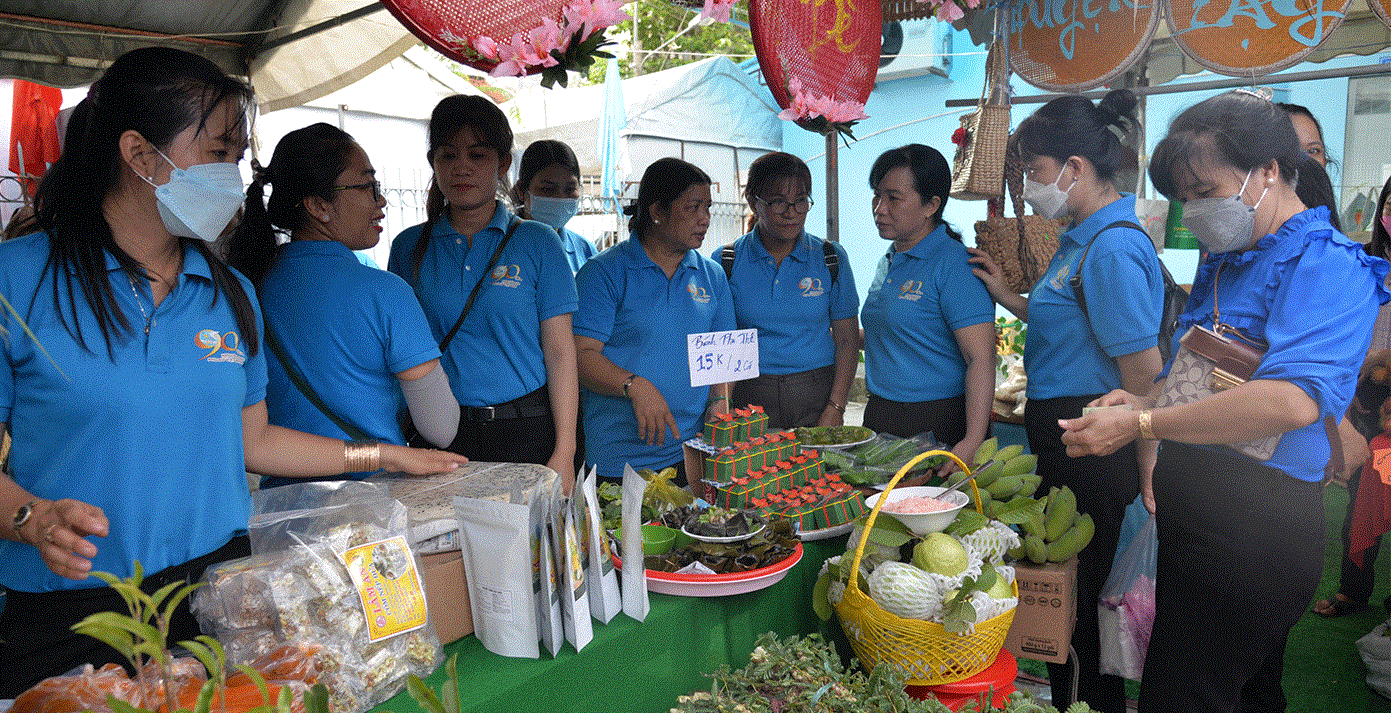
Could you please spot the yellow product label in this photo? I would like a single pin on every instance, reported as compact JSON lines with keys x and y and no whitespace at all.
{"x":393,"y":601}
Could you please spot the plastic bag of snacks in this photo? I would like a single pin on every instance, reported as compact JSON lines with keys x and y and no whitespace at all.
{"x":331,"y":566}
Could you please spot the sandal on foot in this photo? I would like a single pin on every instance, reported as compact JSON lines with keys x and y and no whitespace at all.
{"x":1338,"y":606}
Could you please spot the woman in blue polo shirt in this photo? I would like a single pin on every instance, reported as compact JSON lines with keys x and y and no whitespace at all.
{"x":548,"y":190}
{"x":347,"y":340}
{"x":1071,"y":151}
{"x":929,"y":324}
{"x":1241,"y":540}
{"x":638,"y":301}
{"x":498,"y":293}
{"x":797,"y":291}
{"x":138,"y":405}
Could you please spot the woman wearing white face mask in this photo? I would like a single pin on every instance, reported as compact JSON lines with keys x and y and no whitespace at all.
{"x":1071,"y":151}
{"x":139,"y":405}
{"x":548,"y":190}
{"x":1241,"y":539}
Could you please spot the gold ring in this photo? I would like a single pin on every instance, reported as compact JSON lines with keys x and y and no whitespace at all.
{"x":48,"y":533}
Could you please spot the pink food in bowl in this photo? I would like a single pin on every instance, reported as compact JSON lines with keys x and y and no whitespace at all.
{"x":918,"y":504}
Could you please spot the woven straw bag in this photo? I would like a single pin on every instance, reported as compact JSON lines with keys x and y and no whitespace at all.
{"x":979,"y":164}
{"x":1023,"y":245}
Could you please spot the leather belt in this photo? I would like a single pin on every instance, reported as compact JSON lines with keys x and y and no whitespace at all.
{"x":536,"y":403}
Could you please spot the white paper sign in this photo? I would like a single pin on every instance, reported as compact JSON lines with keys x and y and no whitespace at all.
{"x":720,"y":357}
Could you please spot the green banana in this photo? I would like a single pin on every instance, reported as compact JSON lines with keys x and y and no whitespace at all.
{"x":1030,"y":481}
{"x":1034,"y":525}
{"x":1035,"y":550}
{"x":1008,"y":453}
{"x":985,"y":451}
{"x":1020,"y":464}
{"x":987,"y":475}
{"x":1016,"y":553}
{"x":956,"y":477}
{"x":1004,"y":487}
{"x":1061,"y":512}
{"x":1073,"y":541}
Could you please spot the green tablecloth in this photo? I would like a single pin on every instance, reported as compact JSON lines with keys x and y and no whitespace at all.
{"x":635,"y":667}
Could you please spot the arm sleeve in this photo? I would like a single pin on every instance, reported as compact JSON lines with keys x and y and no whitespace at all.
{"x":434,"y":410}
{"x":845,"y":301}
{"x":965,"y":301}
{"x":555,"y":284}
{"x":598,"y":303}
{"x":1320,"y":323}
{"x":1125,"y":296}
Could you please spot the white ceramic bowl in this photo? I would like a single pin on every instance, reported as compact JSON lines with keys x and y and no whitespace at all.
{"x":921,"y":523}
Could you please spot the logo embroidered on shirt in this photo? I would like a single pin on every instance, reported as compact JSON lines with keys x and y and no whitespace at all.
{"x":811,"y":287}
{"x":221,"y":347}
{"x":1061,"y":278}
{"x":507,"y":275}
{"x":698,"y":293}
{"x":911,"y":290}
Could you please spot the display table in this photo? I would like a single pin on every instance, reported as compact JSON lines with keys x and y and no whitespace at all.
{"x":637,"y":667}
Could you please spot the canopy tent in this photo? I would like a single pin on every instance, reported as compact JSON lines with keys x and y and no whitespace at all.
{"x":294,"y":51}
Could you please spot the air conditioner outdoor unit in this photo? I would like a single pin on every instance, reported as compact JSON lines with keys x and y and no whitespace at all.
{"x":912,"y":48}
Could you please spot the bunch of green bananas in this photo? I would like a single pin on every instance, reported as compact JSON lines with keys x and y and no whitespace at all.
{"x":1059,"y":533}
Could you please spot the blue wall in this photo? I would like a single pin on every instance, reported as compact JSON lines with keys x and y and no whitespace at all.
{"x":904,"y":100}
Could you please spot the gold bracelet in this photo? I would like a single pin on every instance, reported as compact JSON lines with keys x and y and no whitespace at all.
{"x":361,"y":456}
{"x":1147,"y":425}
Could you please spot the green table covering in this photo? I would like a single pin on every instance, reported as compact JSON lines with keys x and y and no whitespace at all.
{"x":635,"y":667}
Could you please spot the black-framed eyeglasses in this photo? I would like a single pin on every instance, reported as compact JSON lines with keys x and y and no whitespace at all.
{"x":780,"y":206}
{"x":374,"y":186}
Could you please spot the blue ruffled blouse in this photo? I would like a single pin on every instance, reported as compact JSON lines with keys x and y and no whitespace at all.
{"x":1312,"y":294}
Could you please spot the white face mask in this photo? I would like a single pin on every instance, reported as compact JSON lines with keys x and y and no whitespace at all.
{"x":1047,"y":200}
{"x":199,"y":202}
{"x":1223,"y":224}
{"x":555,"y":212}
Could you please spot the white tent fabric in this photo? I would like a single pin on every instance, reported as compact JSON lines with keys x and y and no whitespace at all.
{"x":711,"y":101}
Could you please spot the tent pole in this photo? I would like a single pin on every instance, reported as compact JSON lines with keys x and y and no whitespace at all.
{"x":832,"y":188}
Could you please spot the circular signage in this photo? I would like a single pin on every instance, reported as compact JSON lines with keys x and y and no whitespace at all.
{"x":1248,"y":38}
{"x":1072,"y":45}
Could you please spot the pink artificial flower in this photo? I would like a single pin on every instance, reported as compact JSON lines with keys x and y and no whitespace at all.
{"x":807,"y":105}
{"x":593,"y":15}
{"x":717,"y":10}
{"x":950,"y":12}
{"x":486,"y":46}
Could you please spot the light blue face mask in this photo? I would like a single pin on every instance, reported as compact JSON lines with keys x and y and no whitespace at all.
{"x":199,"y":201}
{"x":555,"y":212}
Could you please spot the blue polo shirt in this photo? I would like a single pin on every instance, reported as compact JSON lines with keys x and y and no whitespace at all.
{"x":151,"y":434}
{"x":348,"y":329}
{"x":578,"y":250}
{"x":627,"y":302}
{"x":1065,"y":355}
{"x":1312,"y":294}
{"x":793,"y":304}
{"x":496,"y":355}
{"x":917,"y":301}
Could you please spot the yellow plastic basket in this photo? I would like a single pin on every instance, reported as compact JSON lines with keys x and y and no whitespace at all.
{"x":924,"y":650}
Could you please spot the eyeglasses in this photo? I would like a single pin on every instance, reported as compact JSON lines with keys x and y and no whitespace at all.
{"x":802,"y":204}
{"x":374,"y":186}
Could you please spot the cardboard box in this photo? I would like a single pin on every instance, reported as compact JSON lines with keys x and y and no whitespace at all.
{"x":1042,"y":628}
{"x":446,"y":593}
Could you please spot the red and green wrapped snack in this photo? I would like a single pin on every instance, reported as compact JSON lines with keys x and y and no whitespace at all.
{"x":758,"y":421}
{"x":719,"y":468}
{"x":720,"y":431}
{"x":758,"y":450}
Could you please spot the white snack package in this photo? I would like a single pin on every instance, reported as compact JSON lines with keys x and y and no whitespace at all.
{"x":580,"y":630}
{"x":635,"y":602}
{"x":604,"y":599}
{"x":496,"y":546}
{"x":546,"y":587}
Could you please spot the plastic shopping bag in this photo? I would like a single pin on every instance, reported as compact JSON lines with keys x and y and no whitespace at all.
{"x":1126,"y":606}
{"x":1375,"y":649}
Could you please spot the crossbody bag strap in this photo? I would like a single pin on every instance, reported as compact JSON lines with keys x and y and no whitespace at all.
{"x":278,"y":349}
{"x":477,"y":286}
{"x":1076,"y":280}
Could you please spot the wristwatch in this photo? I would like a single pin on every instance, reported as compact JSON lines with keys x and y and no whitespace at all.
{"x":22,"y":516}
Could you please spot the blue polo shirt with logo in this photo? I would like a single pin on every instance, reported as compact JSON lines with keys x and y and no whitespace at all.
{"x":793,"y":304}
{"x":496,"y":355}
{"x":578,"y":250}
{"x":642,"y":317}
{"x":151,"y":433}
{"x":1067,"y":355}
{"x":348,"y":329}
{"x":918,"y":299}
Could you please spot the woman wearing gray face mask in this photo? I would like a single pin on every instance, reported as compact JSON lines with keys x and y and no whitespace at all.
{"x":1072,"y":150}
{"x":1241,"y":539}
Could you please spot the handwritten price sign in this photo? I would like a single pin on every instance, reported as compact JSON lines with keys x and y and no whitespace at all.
{"x":720,"y":357}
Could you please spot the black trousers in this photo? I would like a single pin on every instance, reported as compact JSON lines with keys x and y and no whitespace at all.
{"x":789,"y":400}
{"x":528,"y":439}
{"x":1104,"y":486}
{"x":1240,"y":555}
{"x":945,"y":418}
{"x":1356,"y":581}
{"x":36,"y":639}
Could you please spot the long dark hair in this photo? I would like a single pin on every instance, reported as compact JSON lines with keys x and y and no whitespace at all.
{"x":1380,"y":244}
{"x":1315,"y":189}
{"x":306,"y":163}
{"x":1073,"y":126}
{"x":1300,"y":110}
{"x":931,"y":176}
{"x":540,"y":155}
{"x":452,"y":114}
{"x":663,"y":182}
{"x":158,"y":92}
{"x":1240,"y":128}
